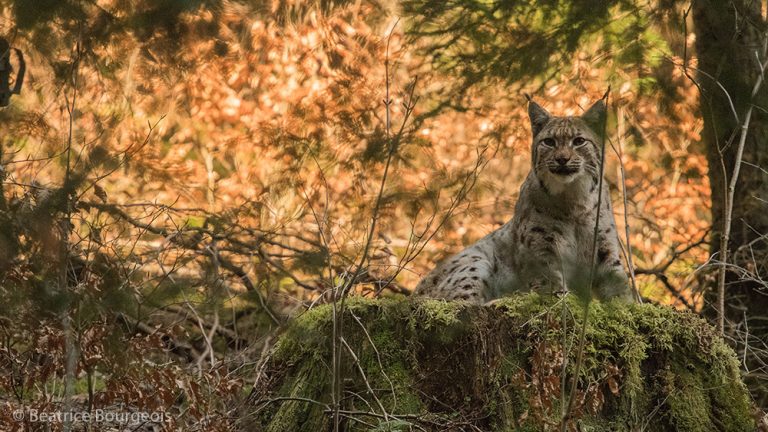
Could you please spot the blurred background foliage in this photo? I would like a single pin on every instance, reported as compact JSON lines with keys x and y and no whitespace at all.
{"x":181,"y":176}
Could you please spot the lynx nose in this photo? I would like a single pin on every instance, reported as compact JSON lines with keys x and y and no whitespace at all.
{"x":562,"y":160}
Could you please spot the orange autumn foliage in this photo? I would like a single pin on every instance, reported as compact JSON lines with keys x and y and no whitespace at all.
{"x":280,"y":128}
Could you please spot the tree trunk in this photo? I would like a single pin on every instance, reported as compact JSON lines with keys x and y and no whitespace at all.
{"x":729,"y":39}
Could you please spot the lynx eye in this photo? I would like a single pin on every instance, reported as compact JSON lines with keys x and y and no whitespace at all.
{"x":579,"y":141}
{"x":547,"y":142}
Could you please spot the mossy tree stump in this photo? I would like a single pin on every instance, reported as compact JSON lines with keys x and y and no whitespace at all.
{"x":435,"y":365}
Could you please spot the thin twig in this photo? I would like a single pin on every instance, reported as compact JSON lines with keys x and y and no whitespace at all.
{"x":583,"y":334}
{"x":619,"y":150}
{"x":68,"y":190}
{"x":365,"y":379}
{"x":728,"y":211}
{"x":393,"y":142}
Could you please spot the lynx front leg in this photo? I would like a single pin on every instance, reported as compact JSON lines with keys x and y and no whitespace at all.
{"x":547,"y":279}
{"x":611,"y":280}
{"x":541,"y":261}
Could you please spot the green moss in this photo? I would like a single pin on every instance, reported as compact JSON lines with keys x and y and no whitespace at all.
{"x":304,"y":334}
{"x":688,"y":406}
{"x":499,"y":368}
{"x":307,"y":384}
{"x":430,"y":314}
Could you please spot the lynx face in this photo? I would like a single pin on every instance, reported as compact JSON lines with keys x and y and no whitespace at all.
{"x":565,"y":149}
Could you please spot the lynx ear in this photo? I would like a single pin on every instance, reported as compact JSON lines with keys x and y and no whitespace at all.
{"x":595,"y":115}
{"x":539,"y":116}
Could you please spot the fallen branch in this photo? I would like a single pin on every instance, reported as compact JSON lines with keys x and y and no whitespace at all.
{"x":195,"y":246}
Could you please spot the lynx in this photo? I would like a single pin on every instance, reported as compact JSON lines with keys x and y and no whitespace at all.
{"x":548,"y":244}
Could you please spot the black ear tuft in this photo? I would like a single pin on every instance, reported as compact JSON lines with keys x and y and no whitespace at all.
{"x":595,"y":115}
{"x":539,"y":116}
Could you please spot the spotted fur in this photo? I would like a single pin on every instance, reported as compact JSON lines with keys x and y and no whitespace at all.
{"x":548,"y":244}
